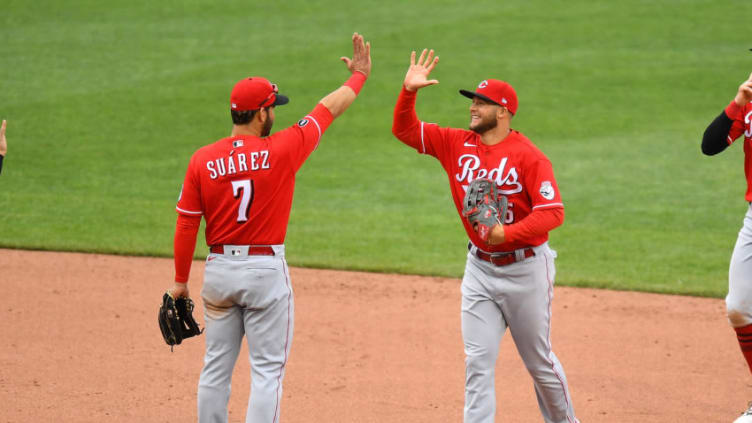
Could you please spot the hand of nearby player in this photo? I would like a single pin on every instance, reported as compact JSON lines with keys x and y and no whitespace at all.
{"x":179,"y":290}
{"x":361,"y":60}
{"x":417,"y":75}
{"x":744,"y":95}
{"x":497,"y":235}
{"x":3,"y":143}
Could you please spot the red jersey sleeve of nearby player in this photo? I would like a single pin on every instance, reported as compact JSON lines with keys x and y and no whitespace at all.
{"x":737,"y":114}
{"x":742,"y":117}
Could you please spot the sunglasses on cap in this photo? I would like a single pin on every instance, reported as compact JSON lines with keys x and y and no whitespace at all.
{"x":271,"y":95}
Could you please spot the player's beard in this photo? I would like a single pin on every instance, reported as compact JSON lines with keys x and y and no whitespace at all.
{"x":486,"y":124}
{"x":267,"y":128}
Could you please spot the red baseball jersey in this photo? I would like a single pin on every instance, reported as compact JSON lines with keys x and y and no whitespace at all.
{"x":521,"y":171}
{"x":742,"y":117}
{"x":243,"y":185}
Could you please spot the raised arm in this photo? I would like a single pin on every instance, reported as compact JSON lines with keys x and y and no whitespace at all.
{"x":715,"y":139}
{"x":3,"y":145}
{"x":406,"y":126}
{"x":360,"y":66}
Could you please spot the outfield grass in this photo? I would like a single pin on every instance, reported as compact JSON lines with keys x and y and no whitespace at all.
{"x":107,"y":100}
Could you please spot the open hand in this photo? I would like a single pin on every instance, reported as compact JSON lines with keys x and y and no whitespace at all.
{"x":361,"y":60}
{"x":417,"y":75}
{"x":744,"y":95}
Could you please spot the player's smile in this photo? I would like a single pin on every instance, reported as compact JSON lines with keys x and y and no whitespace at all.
{"x":482,"y":116}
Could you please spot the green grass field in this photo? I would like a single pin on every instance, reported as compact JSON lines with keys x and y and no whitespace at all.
{"x":106,"y":101}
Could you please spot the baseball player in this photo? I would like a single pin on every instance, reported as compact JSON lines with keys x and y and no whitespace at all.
{"x":509,"y":274}
{"x":732,"y":123}
{"x":243,"y":187}
{"x":3,"y":144}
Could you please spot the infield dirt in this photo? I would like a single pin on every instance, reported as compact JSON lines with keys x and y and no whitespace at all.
{"x":80,"y":343}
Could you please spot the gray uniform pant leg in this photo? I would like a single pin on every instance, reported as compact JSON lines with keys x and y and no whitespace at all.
{"x":518,"y":296}
{"x":223,"y":335}
{"x":269,"y":333}
{"x":249,"y":296}
{"x":483,"y":326}
{"x":739,"y":298}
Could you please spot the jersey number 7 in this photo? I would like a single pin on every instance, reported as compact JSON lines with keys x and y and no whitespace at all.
{"x":246,"y":186}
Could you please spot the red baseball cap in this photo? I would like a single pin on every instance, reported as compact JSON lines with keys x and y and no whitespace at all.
{"x":254,"y":93}
{"x":495,"y":91}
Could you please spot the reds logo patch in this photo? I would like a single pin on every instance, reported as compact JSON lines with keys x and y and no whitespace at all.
{"x":302,"y":122}
{"x":547,"y":190}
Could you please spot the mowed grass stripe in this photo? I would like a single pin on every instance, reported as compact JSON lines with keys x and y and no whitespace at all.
{"x":107,"y":101}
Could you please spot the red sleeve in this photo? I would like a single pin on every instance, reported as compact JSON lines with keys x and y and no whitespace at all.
{"x":189,"y":201}
{"x":405,"y":125}
{"x":302,"y":138}
{"x":541,"y":186}
{"x":537,"y":223}
{"x":735,"y":112}
{"x":186,"y":230}
{"x":426,"y":138}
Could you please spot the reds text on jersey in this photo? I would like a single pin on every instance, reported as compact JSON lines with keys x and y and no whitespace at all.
{"x":519,"y":169}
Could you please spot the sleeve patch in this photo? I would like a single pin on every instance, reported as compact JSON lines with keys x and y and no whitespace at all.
{"x":303,"y":122}
{"x":547,"y":190}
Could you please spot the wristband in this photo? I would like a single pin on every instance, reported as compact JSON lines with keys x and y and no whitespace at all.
{"x":356,"y":81}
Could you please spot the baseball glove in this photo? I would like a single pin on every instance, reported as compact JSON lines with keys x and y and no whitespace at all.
{"x":176,"y":320}
{"x":483,"y":207}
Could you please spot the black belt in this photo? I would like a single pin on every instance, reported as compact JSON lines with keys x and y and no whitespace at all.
{"x":503,"y":259}
{"x":253,"y":250}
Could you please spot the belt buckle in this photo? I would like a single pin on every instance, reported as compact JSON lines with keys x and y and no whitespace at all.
{"x":503,"y":259}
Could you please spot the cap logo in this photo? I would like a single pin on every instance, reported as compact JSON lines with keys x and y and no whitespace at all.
{"x":504,"y":100}
{"x":234,"y":106}
{"x":483,"y":84}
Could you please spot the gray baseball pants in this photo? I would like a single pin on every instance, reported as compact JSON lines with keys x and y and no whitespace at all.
{"x":251,"y":296}
{"x":739,"y":298}
{"x":517,"y":296}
